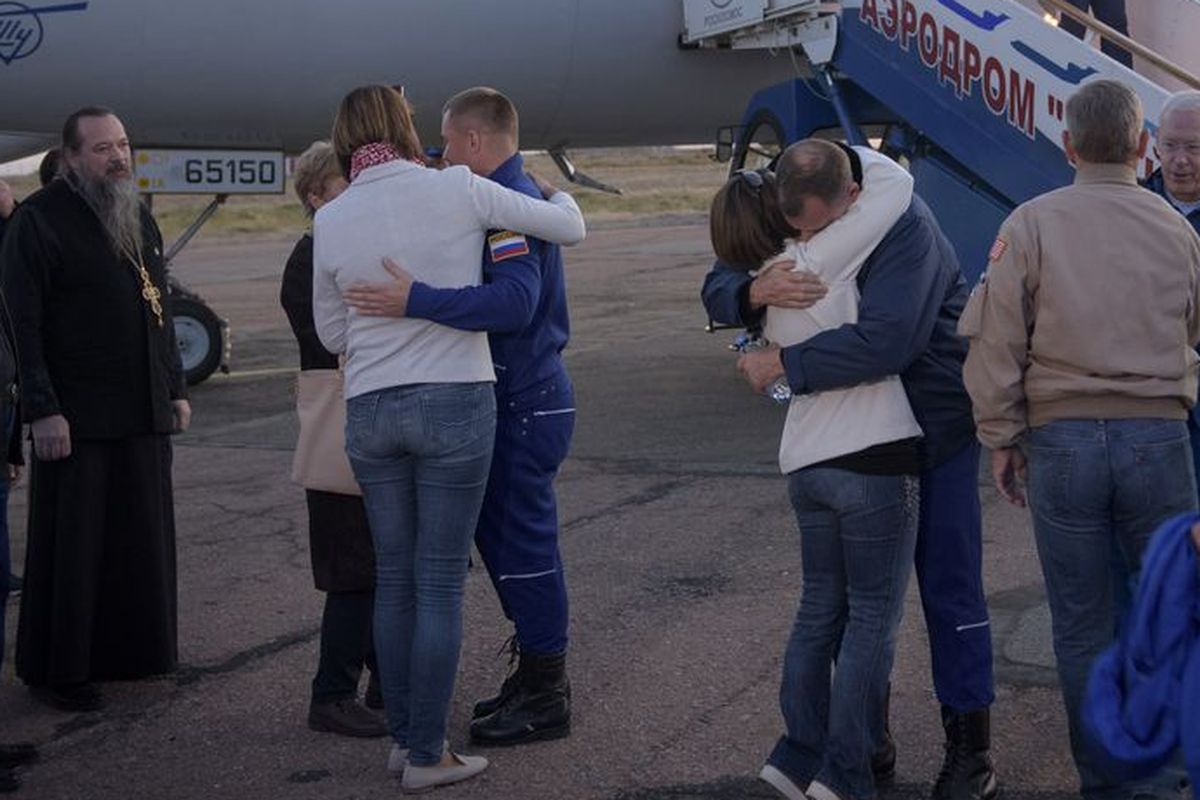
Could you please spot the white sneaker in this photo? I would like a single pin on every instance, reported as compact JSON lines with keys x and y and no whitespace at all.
{"x":423,"y":779}
{"x":397,"y":758}
{"x":781,"y":783}
{"x":819,"y":791}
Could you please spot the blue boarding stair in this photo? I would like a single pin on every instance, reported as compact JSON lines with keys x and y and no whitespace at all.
{"x":971,"y":93}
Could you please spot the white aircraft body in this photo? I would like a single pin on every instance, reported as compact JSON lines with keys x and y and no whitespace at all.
{"x":268,"y":74}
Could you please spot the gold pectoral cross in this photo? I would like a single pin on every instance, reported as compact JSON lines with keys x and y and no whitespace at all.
{"x":150,"y":292}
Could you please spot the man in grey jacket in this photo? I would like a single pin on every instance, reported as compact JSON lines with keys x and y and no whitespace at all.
{"x":1081,"y":370}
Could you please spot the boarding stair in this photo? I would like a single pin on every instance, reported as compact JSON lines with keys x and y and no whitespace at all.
{"x":970,"y":93}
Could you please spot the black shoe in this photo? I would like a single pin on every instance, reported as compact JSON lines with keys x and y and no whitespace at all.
{"x":967,"y":772}
{"x":74,"y":697}
{"x":17,"y":754}
{"x":539,"y":706}
{"x":347,"y":718}
{"x":492,"y":704}
{"x":374,"y":696}
{"x":9,"y":782}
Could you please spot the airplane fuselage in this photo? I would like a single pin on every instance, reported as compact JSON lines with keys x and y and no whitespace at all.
{"x":269,"y":73}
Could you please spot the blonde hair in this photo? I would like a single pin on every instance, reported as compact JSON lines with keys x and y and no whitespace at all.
{"x":490,"y":109}
{"x":314,"y":169}
{"x":372,"y":114}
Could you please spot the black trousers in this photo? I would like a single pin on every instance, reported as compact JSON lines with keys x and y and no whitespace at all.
{"x":1112,"y":14}
{"x":346,"y":645}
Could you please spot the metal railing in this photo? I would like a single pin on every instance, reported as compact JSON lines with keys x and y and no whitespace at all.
{"x":1106,"y":32}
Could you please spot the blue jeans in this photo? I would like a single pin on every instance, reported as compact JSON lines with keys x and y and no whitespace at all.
{"x":421,"y":454}
{"x":1096,"y":486}
{"x":1193,"y":425}
{"x":857,"y":534}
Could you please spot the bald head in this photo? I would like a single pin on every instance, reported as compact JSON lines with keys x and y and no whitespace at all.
{"x":815,"y":184}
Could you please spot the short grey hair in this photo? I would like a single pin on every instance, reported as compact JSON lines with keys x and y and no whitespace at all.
{"x":1105,"y":121}
{"x":315,"y":167}
{"x":1180,"y":101}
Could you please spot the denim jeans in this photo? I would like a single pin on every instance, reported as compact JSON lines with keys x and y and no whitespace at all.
{"x":857,"y":534}
{"x":1095,"y":487}
{"x":421,"y":454}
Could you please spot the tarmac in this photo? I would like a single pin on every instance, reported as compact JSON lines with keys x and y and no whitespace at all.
{"x":681,"y":551}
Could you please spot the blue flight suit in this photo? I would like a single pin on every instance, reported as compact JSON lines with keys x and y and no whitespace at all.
{"x":522,"y":304}
{"x":911,"y":296}
{"x":1156,"y":184}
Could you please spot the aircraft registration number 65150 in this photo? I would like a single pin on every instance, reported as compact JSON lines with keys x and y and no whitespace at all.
{"x":210,"y":171}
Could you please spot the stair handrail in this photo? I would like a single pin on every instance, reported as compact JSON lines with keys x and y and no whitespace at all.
{"x":1115,"y":36}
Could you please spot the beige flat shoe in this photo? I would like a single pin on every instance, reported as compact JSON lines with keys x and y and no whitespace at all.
{"x":423,"y":779}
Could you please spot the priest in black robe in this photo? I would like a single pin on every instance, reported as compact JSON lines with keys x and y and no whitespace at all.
{"x":102,"y":389}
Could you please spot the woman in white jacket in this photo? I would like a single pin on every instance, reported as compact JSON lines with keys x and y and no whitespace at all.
{"x":851,"y":460}
{"x":420,"y":406}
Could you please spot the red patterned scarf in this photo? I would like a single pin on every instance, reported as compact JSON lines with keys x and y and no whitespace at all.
{"x":372,"y":155}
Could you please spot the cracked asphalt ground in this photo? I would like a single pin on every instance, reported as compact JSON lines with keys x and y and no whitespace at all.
{"x":682,"y":560}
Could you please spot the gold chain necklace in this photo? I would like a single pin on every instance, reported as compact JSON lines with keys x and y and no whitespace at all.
{"x":150,"y":292}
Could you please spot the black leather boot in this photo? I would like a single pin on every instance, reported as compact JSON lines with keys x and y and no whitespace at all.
{"x":538,"y":707}
{"x":491,"y":705}
{"x":967,"y":772}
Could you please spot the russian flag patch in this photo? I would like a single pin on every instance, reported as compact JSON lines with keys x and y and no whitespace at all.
{"x":507,"y":244}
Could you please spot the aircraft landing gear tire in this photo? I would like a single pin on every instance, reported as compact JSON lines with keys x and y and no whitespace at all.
{"x":198,"y":332}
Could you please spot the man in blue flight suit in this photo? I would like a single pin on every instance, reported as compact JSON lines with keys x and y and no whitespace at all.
{"x":911,"y":296}
{"x":523,"y":306}
{"x":1177,"y":180}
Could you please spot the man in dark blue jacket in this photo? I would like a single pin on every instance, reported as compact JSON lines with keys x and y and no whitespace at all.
{"x":1177,"y":145}
{"x":911,"y":296}
{"x":522,"y":304}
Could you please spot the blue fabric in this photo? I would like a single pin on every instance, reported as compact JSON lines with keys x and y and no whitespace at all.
{"x":1092,"y":485}
{"x":522,"y":303}
{"x":949,"y":561}
{"x":912,"y":295}
{"x":517,"y":535}
{"x":1143,"y":700}
{"x":421,"y":455}
{"x":856,"y":539}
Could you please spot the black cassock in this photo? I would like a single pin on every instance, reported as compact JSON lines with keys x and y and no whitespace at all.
{"x":99,"y":600}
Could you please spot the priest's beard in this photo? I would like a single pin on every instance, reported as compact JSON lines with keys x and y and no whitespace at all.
{"x":115,"y":200}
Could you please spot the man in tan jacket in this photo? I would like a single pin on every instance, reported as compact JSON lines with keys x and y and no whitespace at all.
{"x":1081,"y":361}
